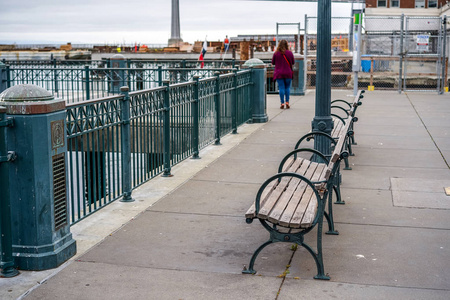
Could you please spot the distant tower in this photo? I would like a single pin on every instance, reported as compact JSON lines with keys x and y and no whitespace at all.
{"x":175,"y":27}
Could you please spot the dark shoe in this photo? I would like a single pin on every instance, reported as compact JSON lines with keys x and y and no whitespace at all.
{"x":287,"y":105}
{"x":282,"y":106}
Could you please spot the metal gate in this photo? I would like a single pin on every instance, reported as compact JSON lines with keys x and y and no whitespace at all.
{"x":424,"y":59}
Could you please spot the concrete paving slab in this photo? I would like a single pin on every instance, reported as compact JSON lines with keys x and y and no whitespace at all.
{"x":93,"y":281}
{"x":436,"y":119}
{"x":415,"y":258}
{"x":298,"y":128}
{"x":190,"y":242}
{"x":446,"y":154}
{"x":276,"y":136}
{"x":422,"y":142}
{"x":442,"y":143}
{"x":227,"y":170}
{"x":419,"y":185}
{"x":406,"y":132}
{"x":421,"y":199}
{"x":195,"y":238}
{"x":210,"y":197}
{"x":375,"y":177}
{"x":260,"y":152}
{"x":375,"y":207}
{"x":371,"y":105}
{"x":392,"y":120}
{"x":420,"y":193}
{"x":398,"y":158}
{"x":439,"y":131}
{"x":313,"y":289}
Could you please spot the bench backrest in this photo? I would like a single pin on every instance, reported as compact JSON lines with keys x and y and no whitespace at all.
{"x":338,"y":150}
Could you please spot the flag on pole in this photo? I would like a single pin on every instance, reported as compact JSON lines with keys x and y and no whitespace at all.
{"x":202,"y":53}
{"x":226,"y":44}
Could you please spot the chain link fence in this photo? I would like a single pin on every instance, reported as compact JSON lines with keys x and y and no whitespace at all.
{"x":397,"y":52}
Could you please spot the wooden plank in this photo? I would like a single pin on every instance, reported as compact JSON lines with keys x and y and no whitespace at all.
{"x":281,"y":205}
{"x":288,"y":213}
{"x":288,"y":163}
{"x":270,"y":187}
{"x":328,"y":171}
{"x":337,"y":128}
{"x":273,"y":198}
{"x":295,"y":165}
{"x":287,"y":195}
{"x":267,"y":191}
{"x":340,"y":144}
{"x":307,"y":208}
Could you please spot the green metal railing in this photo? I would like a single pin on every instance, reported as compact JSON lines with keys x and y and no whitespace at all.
{"x":76,"y":84}
{"x":79,"y":80}
{"x":118,"y":143}
{"x":129,"y":63}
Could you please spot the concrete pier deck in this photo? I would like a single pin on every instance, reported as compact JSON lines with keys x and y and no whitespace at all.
{"x":185,"y":237}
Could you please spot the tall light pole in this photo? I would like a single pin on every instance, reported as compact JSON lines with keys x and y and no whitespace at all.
{"x":322,"y":120}
{"x":175,"y":37}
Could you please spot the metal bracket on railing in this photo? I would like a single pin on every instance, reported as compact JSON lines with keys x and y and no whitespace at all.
{"x":10,"y":157}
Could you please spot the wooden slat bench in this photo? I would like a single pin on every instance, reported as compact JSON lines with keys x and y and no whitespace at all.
{"x":291,"y":203}
{"x":349,"y":109}
{"x":346,"y":132}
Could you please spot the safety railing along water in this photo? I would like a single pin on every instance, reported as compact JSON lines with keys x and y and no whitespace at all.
{"x":118,"y":143}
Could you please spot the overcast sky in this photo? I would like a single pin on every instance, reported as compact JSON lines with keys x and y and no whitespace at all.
{"x":146,"y":21}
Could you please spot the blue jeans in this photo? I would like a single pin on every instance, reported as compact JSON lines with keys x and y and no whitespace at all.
{"x":284,"y":87}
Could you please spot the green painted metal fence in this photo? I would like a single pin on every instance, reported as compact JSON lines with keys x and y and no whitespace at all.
{"x":76,"y":84}
{"x":164,"y":126}
{"x":75,"y":80}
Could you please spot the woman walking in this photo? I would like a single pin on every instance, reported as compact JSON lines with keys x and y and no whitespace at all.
{"x":283,"y":59}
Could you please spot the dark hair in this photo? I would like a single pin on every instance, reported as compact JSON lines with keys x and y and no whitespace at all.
{"x":282,"y":46}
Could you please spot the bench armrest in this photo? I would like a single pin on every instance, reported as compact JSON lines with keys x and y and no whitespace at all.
{"x":278,"y":178}
{"x":342,"y":101}
{"x":294,"y":153}
{"x":311,"y":135}
{"x":346,"y":112}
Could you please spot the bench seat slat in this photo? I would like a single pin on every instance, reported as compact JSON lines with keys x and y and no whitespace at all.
{"x":265,"y":210}
{"x":281,"y":205}
{"x":287,"y":215}
{"x":272,"y":199}
{"x":338,"y":125}
{"x":292,"y":166}
{"x":298,"y":217}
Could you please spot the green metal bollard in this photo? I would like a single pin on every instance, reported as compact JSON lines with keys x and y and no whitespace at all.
{"x":7,"y":261}
{"x":298,"y":80}
{"x":41,"y":237}
{"x":166,"y":130}
{"x":195,"y":117}
{"x":259,"y":90}
{"x":126,"y":145}
{"x":217,"y":106}
{"x":117,"y":65}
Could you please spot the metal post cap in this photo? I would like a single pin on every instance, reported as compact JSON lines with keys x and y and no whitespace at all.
{"x":254,"y":63}
{"x":30,"y":99}
{"x":118,"y":57}
{"x":25,"y":93}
